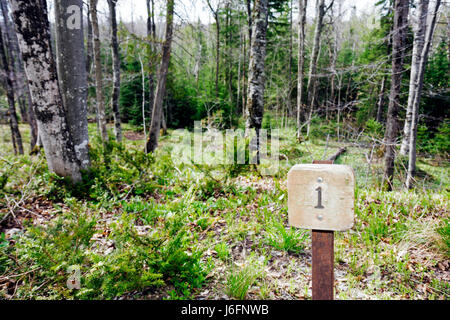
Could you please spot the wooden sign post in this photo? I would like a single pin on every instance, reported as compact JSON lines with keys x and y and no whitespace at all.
{"x":321,"y":198}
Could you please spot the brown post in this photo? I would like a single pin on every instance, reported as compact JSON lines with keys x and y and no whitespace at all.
{"x":322,"y":260}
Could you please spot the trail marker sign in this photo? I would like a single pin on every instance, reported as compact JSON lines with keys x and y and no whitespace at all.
{"x":321,"y":196}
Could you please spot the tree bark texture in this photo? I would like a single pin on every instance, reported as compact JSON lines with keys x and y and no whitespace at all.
{"x":401,"y":8}
{"x":302,"y":4}
{"x":312,"y":79}
{"x":155,"y":126}
{"x":256,"y":72}
{"x":8,"y":81}
{"x":415,"y":116}
{"x":71,"y":64}
{"x":419,"y":43}
{"x":101,"y":116}
{"x":116,"y":70}
{"x":216,"y":18}
{"x":151,"y":35}
{"x":33,"y":31}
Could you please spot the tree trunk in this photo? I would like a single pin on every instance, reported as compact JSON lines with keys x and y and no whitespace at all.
{"x":151,"y":35}
{"x":311,"y":87}
{"x":21,"y":80}
{"x":101,"y":116}
{"x":418,"y":92}
{"x":419,"y":39}
{"x":384,"y":81}
{"x":401,"y":8}
{"x":380,"y":102}
{"x":33,"y":122}
{"x":289,"y":93}
{"x":333,"y":54}
{"x":302,"y":4}
{"x":33,"y":31}
{"x":215,"y":13}
{"x":23,"y":109}
{"x":89,"y":49}
{"x":116,"y":70}
{"x":256,"y":73}
{"x":155,"y":126}
{"x":249,"y":21}
{"x":71,"y":64}
{"x":143,"y":99}
{"x":229,"y":72}
{"x":9,"y":87}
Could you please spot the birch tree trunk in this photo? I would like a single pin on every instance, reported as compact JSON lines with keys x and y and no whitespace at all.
{"x":98,"y":71}
{"x":33,"y":31}
{"x":289,"y":93}
{"x":302,"y":4}
{"x":419,"y":43}
{"x":151,"y":35}
{"x":216,"y":18}
{"x":310,"y":89}
{"x":333,"y":54}
{"x":8,"y":80}
{"x":416,"y":103}
{"x":155,"y":126}
{"x":116,"y":70}
{"x":256,"y":72}
{"x":401,"y":8}
{"x":71,"y":64}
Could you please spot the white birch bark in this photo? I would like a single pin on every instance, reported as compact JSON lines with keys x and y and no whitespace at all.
{"x":419,"y":43}
{"x":33,"y":31}
{"x":311,"y":86}
{"x":256,"y":71}
{"x":116,"y":70}
{"x":302,"y":4}
{"x":256,"y":74}
{"x":415,"y":106}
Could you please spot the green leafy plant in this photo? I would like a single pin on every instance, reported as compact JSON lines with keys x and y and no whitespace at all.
{"x":239,"y":280}
{"x":223,"y":251}
{"x":287,"y":239}
{"x":444,"y":231}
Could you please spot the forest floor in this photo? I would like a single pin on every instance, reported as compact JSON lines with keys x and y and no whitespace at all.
{"x":142,"y":227}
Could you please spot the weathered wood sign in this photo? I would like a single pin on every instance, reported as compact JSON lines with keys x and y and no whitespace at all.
{"x":321,"y":197}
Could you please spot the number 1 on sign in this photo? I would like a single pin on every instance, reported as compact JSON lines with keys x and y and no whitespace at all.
{"x":319,"y":198}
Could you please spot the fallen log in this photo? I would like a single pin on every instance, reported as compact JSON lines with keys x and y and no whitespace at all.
{"x":337,"y":154}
